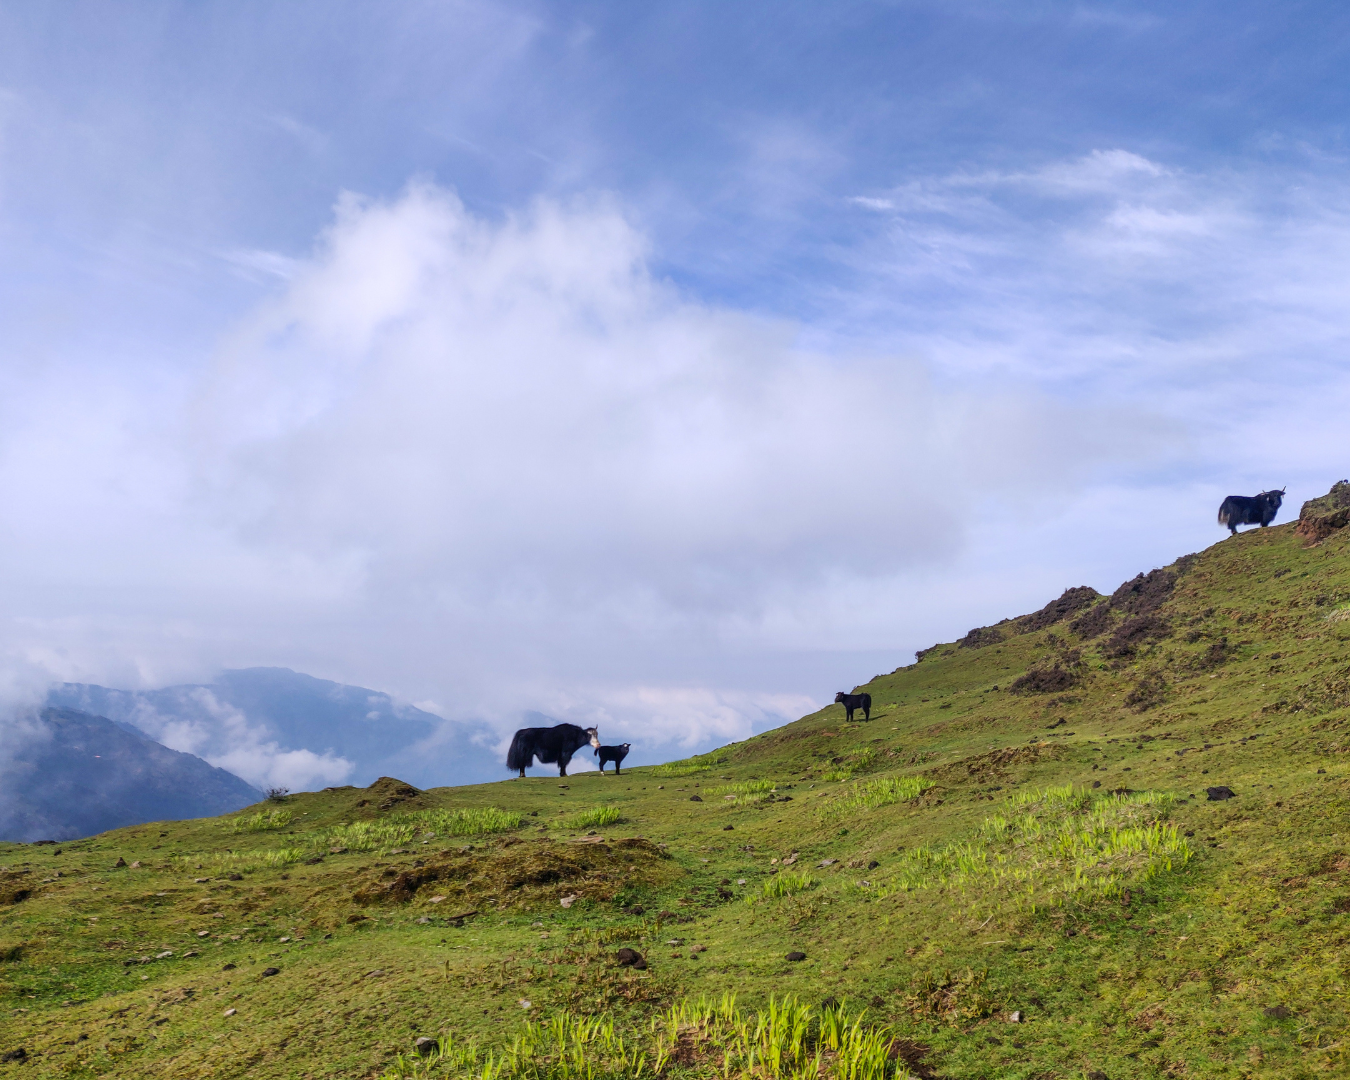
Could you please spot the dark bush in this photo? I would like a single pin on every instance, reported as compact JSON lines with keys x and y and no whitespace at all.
{"x":1044,"y":680}
{"x":1070,"y":602}
{"x":1095,"y":622}
{"x":980,"y":637}
{"x":1148,"y":691}
{"x":277,"y":794}
{"x":1134,"y":632}
{"x":1216,"y":655}
{"x":1144,"y":592}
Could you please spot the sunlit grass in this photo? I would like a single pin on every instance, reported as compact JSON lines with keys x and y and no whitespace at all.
{"x":781,"y":885}
{"x":262,"y":821}
{"x":873,"y":794}
{"x":244,"y":862}
{"x":783,"y":1041}
{"x":403,"y":829}
{"x":594,"y":818}
{"x":1057,"y":843}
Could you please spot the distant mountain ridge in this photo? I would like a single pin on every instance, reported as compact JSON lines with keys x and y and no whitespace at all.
{"x":72,"y":775}
{"x":277,"y":727}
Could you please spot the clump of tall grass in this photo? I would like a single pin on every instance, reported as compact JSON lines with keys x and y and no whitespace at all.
{"x":244,"y":862}
{"x":398,"y":830}
{"x":872,"y":794}
{"x":781,"y":885}
{"x":710,"y":1037}
{"x":745,"y":791}
{"x":1056,"y":843}
{"x":860,"y":762}
{"x":675,"y":769}
{"x":596,"y":817}
{"x":262,"y":821}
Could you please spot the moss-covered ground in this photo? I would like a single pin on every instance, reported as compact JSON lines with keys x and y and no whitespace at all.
{"x":1052,"y":852}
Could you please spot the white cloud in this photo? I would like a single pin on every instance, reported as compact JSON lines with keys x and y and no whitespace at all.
{"x":224,"y":736}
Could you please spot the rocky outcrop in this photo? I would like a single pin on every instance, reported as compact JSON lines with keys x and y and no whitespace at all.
{"x":1321,"y":517}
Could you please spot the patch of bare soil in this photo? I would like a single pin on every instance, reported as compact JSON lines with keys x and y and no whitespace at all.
{"x":520,"y":872}
{"x":1321,"y":517}
{"x":1070,"y":602}
{"x":1144,"y":592}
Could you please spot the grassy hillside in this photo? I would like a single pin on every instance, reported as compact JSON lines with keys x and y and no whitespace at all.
{"x":1022,"y":827}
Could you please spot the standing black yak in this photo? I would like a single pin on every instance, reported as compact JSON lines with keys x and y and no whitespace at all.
{"x":855,"y":701}
{"x":551,"y":745}
{"x":615,"y":754}
{"x":1250,"y":509}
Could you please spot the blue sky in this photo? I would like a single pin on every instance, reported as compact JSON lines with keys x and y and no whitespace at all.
{"x":672,"y":365}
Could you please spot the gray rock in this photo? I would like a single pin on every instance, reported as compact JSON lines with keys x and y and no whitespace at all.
{"x":425,"y":1046}
{"x":695,"y":798}
{"x":271,"y":971}
{"x":796,"y":956}
{"x":1218,"y":794}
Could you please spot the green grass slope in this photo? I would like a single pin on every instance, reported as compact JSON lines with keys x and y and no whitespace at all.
{"x":1022,"y":828}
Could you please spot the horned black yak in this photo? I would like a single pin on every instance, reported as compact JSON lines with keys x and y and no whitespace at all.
{"x":551,"y":745}
{"x":855,"y":701}
{"x":1250,"y":509}
{"x":615,"y":754}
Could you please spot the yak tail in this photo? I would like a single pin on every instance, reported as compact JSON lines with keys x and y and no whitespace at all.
{"x":521,"y":755}
{"x":1225,"y":512}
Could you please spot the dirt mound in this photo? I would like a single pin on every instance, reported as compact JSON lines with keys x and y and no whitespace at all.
{"x":1144,"y":592}
{"x":521,"y":872}
{"x":1321,"y":517}
{"x":388,"y":793}
{"x":1070,"y":602}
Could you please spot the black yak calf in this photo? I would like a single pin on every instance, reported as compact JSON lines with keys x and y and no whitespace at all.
{"x":1250,"y":509}
{"x":615,"y":754}
{"x":855,"y":701}
{"x":551,"y":745}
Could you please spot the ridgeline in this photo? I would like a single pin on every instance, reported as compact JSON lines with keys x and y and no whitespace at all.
{"x":1107,"y":839}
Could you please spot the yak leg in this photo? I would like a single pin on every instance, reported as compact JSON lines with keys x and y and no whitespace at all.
{"x":562,"y":764}
{"x":616,"y":768}
{"x":867,"y":712}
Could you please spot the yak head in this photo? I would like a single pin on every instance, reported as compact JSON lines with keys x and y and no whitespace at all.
{"x":594,"y":733}
{"x":1274,"y":497}
{"x":839,"y":697}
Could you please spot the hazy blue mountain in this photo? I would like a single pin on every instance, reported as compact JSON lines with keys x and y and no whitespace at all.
{"x":277,"y":727}
{"x":67,"y":774}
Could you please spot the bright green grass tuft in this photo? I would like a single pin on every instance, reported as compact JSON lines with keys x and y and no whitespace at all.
{"x":781,"y":885}
{"x":747,"y":791}
{"x":599,"y":816}
{"x":873,"y":794}
{"x":402,"y":829}
{"x":785,"y":1040}
{"x":1065,"y":842}
{"x":262,"y":821}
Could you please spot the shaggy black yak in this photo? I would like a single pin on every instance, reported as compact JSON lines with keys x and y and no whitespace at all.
{"x":1250,"y":509}
{"x":551,"y":745}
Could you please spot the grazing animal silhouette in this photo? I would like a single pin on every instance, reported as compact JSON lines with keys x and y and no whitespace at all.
{"x":615,"y":754}
{"x":550,"y":745}
{"x":855,"y":701}
{"x":1250,"y":509}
